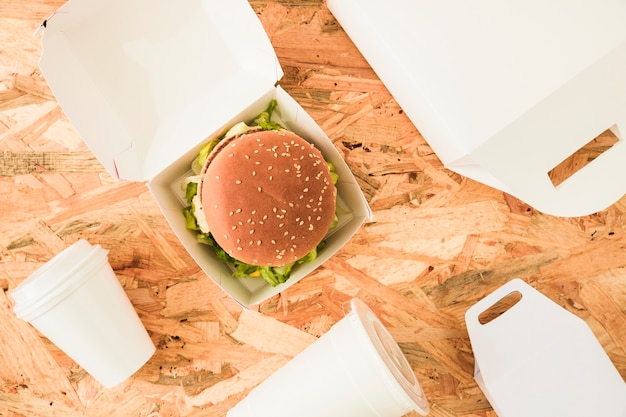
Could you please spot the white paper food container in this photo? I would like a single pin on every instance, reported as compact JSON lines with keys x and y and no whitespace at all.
{"x":505,"y":91}
{"x":146,"y":83}
{"x":76,"y":301}
{"x":537,"y":359}
{"x":355,"y":369}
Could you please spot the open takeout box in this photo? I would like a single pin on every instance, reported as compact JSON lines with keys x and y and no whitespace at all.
{"x":537,"y":359}
{"x":146,"y":83}
{"x":505,"y":91}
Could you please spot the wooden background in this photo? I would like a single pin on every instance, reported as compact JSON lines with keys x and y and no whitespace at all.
{"x":438,"y":243}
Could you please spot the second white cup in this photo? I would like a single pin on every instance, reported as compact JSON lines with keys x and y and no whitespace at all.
{"x":77,"y":302}
{"x":354,"y":369}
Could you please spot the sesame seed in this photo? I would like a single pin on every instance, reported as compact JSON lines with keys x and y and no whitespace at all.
{"x":238,"y":210}
{"x":251,"y":231}
{"x":306,"y":190}
{"x":254,"y":173}
{"x":281,"y":225}
{"x":301,"y":222}
{"x":285,"y":234}
{"x":253,"y":211}
{"x":258,"y":242}
{"x":238,"y":182}
{"x":217,"y":177}
{"x":273,"y":242}
{"x":310,"y":227}
{"x":259,"y":188}
{"x":247,"y":156}
{"x":231,"y":213}
{"x":293,"y":238}
{"x":225,"y":236}
{"x":239,"y":248}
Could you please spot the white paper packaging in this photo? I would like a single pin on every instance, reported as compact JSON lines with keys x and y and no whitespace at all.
{"x":505,"y":91}
{"x":77,"y":302}
{"x":355,"y":369}
{"x":537,"y":359}
{"x":146,"y":82}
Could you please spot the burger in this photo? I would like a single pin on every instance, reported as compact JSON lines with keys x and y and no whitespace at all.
{"x":263,"y":197}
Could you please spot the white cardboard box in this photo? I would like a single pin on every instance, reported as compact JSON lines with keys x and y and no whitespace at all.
{"x":505,"y":91}
{"x":147,"y":82}
{"x":537,"y":359}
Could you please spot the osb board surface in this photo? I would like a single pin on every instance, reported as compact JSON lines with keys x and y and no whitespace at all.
{"x":437,"y":244}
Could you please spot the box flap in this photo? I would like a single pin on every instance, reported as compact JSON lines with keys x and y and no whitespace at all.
{"x":536,"y":358}
{"x":465,"y":72}
{"x":144,"y":81}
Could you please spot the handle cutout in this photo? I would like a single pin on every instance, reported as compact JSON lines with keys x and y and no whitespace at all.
{"x":584,"y":156}
{"x":500,"y":307}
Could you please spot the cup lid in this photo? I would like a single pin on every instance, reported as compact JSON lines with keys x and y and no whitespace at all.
{"x":57,"y":278}
{"x":391,"y":355}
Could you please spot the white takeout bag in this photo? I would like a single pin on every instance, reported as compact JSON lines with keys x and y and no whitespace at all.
{"x":147,"y":82}
{"x":505,"y":91}
{"x":537,"y":359}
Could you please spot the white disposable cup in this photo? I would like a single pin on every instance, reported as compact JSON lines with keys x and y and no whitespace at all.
{"x":356,"y":369}
{"x":77,"y":302}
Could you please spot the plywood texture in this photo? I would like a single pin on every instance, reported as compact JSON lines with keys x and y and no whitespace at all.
{"x":437,"y":244}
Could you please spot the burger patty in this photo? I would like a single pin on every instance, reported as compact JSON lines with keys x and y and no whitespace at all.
{"x":268,"y":197}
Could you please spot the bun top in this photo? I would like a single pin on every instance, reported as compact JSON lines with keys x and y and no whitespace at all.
{"x":268,"y":197}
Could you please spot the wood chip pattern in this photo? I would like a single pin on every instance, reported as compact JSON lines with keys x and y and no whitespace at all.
{"x":438,"y":243}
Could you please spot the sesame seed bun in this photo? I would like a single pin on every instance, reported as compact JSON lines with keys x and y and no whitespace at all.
{"x":268,"y":197}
